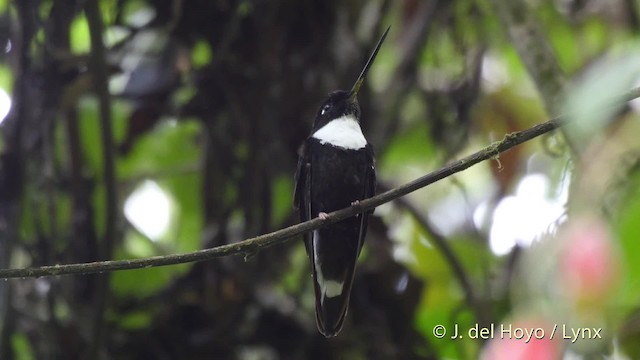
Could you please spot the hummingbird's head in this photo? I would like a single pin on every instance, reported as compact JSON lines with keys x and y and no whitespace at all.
{"x":338,"y":104}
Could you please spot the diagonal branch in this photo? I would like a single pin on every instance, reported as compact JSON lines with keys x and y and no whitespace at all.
{"x":258,"y":243}
{"x":255,"y":244}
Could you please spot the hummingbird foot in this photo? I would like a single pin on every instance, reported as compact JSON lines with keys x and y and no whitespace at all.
{"x":323,"y":215}
{"x":355,"y":202}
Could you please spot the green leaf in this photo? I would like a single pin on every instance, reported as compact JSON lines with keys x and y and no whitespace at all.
{"x":628,"y":231}
{"x":566,"y":47}
{"x":281,"y":204}
{"x":201,"y":54}
{"x":21,"y":347}
{"x":594,"y":37}
{"x":170,"y":145}
{"x":80,"y":37}
{"x":298,"y":270}
{"x":184,"y":236}
{"x":6,"y":79}
{"x":245,"y":8}
{"x":411,"y":147}
{"x":89,"y":127}
{"x":143,"y":282}
{"x":108,"y":9}
{"x":136,"y":320}
{"x":138,"y":246}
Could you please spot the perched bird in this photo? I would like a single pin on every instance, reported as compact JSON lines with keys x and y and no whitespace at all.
{"x":336,"y":169}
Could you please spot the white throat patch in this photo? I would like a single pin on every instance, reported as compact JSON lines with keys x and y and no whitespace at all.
{"x":344,"y":132}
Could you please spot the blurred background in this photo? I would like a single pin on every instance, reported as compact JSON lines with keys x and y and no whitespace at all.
{"x":134,"y":128}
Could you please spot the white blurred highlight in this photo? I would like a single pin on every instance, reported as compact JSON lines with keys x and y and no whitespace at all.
{"x":521,"y":218}
{"x":149,"y":209}
{"x":5,"y":105}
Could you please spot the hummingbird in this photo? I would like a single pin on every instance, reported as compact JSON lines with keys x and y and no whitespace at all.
{"x":336,"y":169}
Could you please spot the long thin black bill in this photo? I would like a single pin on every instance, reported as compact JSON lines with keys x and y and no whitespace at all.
{"x":363,"y":74}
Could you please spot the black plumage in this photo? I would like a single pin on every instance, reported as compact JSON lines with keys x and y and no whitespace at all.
{"x":336,"y":168}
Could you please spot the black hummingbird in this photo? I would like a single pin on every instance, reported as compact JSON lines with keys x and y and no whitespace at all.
{"x":336,"y":169}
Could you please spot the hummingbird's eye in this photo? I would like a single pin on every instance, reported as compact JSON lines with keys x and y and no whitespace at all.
{"x":325,"y":109}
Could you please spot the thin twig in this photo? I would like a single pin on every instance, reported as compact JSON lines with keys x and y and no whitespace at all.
{"x":261,"y":242}
{"x":255,"y":244}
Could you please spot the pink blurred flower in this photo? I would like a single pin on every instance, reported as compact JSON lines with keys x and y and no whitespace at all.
{"x":587,"y":261}
{"x":507,"y":347}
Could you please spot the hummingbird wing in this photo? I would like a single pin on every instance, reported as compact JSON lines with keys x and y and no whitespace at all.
{"x":302,"y":189}
{"x":369,"y":191}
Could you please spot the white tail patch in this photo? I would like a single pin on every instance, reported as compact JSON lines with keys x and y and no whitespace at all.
{"x":328,"y":288}
{"x":343,"y":132}
{"x":331,"y":288}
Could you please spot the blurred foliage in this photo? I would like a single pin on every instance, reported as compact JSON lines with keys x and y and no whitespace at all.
{"x":210,"y":101}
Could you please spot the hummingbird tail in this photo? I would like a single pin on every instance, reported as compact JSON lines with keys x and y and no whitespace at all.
{"x":330,"y":314}
{"x":333,"y":276}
